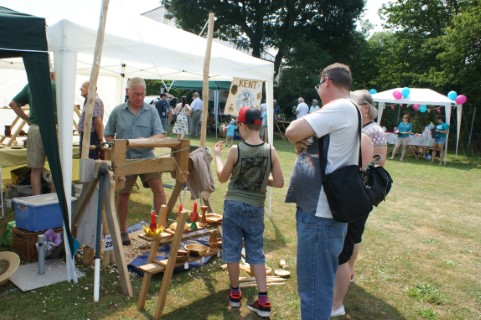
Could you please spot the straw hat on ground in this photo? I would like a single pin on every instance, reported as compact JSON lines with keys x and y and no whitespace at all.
{"x":9,"y":262}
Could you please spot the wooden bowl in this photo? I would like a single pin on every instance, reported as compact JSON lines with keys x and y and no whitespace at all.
{"x":213,"y":218}
{"x":182,"y":256}
{"x":196,"y":249}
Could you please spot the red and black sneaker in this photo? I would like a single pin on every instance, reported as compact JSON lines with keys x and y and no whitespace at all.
{"x":261,"y":310}
{"x":234,"y":299}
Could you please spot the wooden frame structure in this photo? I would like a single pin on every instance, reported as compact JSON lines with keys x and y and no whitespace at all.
{"x":119,"y":167}
{"x":18,"y":124}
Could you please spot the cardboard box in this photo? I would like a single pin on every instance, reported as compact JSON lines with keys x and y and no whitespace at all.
{"x":38,"y":213}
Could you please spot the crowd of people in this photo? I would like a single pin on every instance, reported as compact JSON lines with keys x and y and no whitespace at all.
{"x":327,"y":248}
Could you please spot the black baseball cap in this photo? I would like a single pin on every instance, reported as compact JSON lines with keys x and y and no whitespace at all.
{"x":249,"y":115}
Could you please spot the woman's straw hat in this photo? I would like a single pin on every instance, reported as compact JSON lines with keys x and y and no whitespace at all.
{"x":9,"y":262}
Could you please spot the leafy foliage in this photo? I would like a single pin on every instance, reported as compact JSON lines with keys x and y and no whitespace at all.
{"x":427,"y":44}
{"x":296,"y":27}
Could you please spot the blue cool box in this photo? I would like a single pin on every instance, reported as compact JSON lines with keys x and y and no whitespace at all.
{"x":38,"y":213}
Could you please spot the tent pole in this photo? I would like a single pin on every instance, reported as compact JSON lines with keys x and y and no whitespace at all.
{"x":472,"y":125}
{"x":216,"y":110}
{"x":205,"y":87}
{"x":399,"y":113}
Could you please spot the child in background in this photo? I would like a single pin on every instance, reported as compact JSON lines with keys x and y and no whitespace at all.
{"x":249,"y":166}
{"x":229,"y":137}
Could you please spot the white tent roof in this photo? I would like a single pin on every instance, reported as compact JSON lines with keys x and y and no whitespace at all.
{"x":149,"y":49}
{"x":419,"y":96}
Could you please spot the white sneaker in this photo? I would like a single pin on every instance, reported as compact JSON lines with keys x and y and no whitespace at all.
{"x":338,"y":312}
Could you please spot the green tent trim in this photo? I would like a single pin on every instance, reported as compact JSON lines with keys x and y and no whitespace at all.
{"x":24,"y":35}
{"x":193,"y":84}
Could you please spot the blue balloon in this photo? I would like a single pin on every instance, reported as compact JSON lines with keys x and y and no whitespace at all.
{"x":452,"y":95}
{"x":405,"y":92}
{"x":423,"y":108}
{"x":372,"y":91}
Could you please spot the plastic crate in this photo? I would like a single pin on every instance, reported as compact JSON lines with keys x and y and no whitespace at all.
{"x":38,"y":213}
{"x":24,"y":243}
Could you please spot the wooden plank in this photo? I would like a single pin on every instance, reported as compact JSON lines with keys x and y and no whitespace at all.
{"x":144,"y":289}
{"x":163,"y":236}
{"x":87,"y":190}
{"x":111,"y":214}
{"x":152,"y":268}
{"x":163,"y":212}
{"x":153,"y":143}
{"x":148,"y":165}
{"x":205,"y":84}
{"x":169,"y":269}
{"x":181,"y":156}
{"x":119,"y":152}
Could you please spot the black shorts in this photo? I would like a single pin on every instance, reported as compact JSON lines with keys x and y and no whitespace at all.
{"x":354,"y":233}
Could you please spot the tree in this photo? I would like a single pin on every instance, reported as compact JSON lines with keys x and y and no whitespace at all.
{"x":461,"y":55}
{"x":432,"y":44}
{"x":284,"y":25}
{"x":461,"y":59}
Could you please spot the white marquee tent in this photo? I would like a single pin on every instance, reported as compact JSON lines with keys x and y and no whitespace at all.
{"x":421,"y":96}
{"x":134,"y":46}
{"x":137,"y":46}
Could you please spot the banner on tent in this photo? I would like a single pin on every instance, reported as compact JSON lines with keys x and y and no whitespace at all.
{"x":243,"y":93}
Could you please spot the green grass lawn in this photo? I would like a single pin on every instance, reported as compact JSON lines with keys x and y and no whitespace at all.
{"x":420,"y":258}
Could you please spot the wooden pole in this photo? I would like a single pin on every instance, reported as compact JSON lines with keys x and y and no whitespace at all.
{"x":94,"y":73}
{"x":205,"y":86}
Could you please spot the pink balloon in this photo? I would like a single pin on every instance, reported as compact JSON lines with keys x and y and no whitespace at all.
{"x":461,"y":99}
{"x":416,"y":107}
{"x":397,"y":95}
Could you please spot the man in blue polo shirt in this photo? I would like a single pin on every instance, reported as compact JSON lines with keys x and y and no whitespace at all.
{"x":131,"y":120}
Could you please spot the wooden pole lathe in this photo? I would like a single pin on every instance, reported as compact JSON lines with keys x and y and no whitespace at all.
{"x":205,"y":85}
{"x":94,"y":74}
{"x":178,"y":162}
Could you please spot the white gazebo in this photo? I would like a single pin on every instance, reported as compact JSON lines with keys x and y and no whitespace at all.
{"x":421,"y":96}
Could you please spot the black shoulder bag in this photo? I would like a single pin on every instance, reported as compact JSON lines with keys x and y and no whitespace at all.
{"x":377,"y":181}
{"x":344,"y":188}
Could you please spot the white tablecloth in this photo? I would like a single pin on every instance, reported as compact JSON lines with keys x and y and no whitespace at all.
{"x":413,"y":140}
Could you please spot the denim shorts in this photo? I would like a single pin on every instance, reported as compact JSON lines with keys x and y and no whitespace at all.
{"x":440,"y":140}
{"x":243,"y":222}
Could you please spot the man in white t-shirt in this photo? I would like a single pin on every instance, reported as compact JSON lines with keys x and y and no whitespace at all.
{"x":320,"y":237}
{"x":302,"y":108}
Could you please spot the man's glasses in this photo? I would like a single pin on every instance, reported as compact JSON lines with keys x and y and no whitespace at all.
{"x":320,"y":83}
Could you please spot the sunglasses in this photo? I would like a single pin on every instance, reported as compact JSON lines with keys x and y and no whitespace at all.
{"x":320,"y":83}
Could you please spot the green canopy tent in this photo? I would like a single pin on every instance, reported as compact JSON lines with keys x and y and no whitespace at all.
{"x":193,"y":84}
{"x":215,"y":86}
{"x":23,"y":35}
